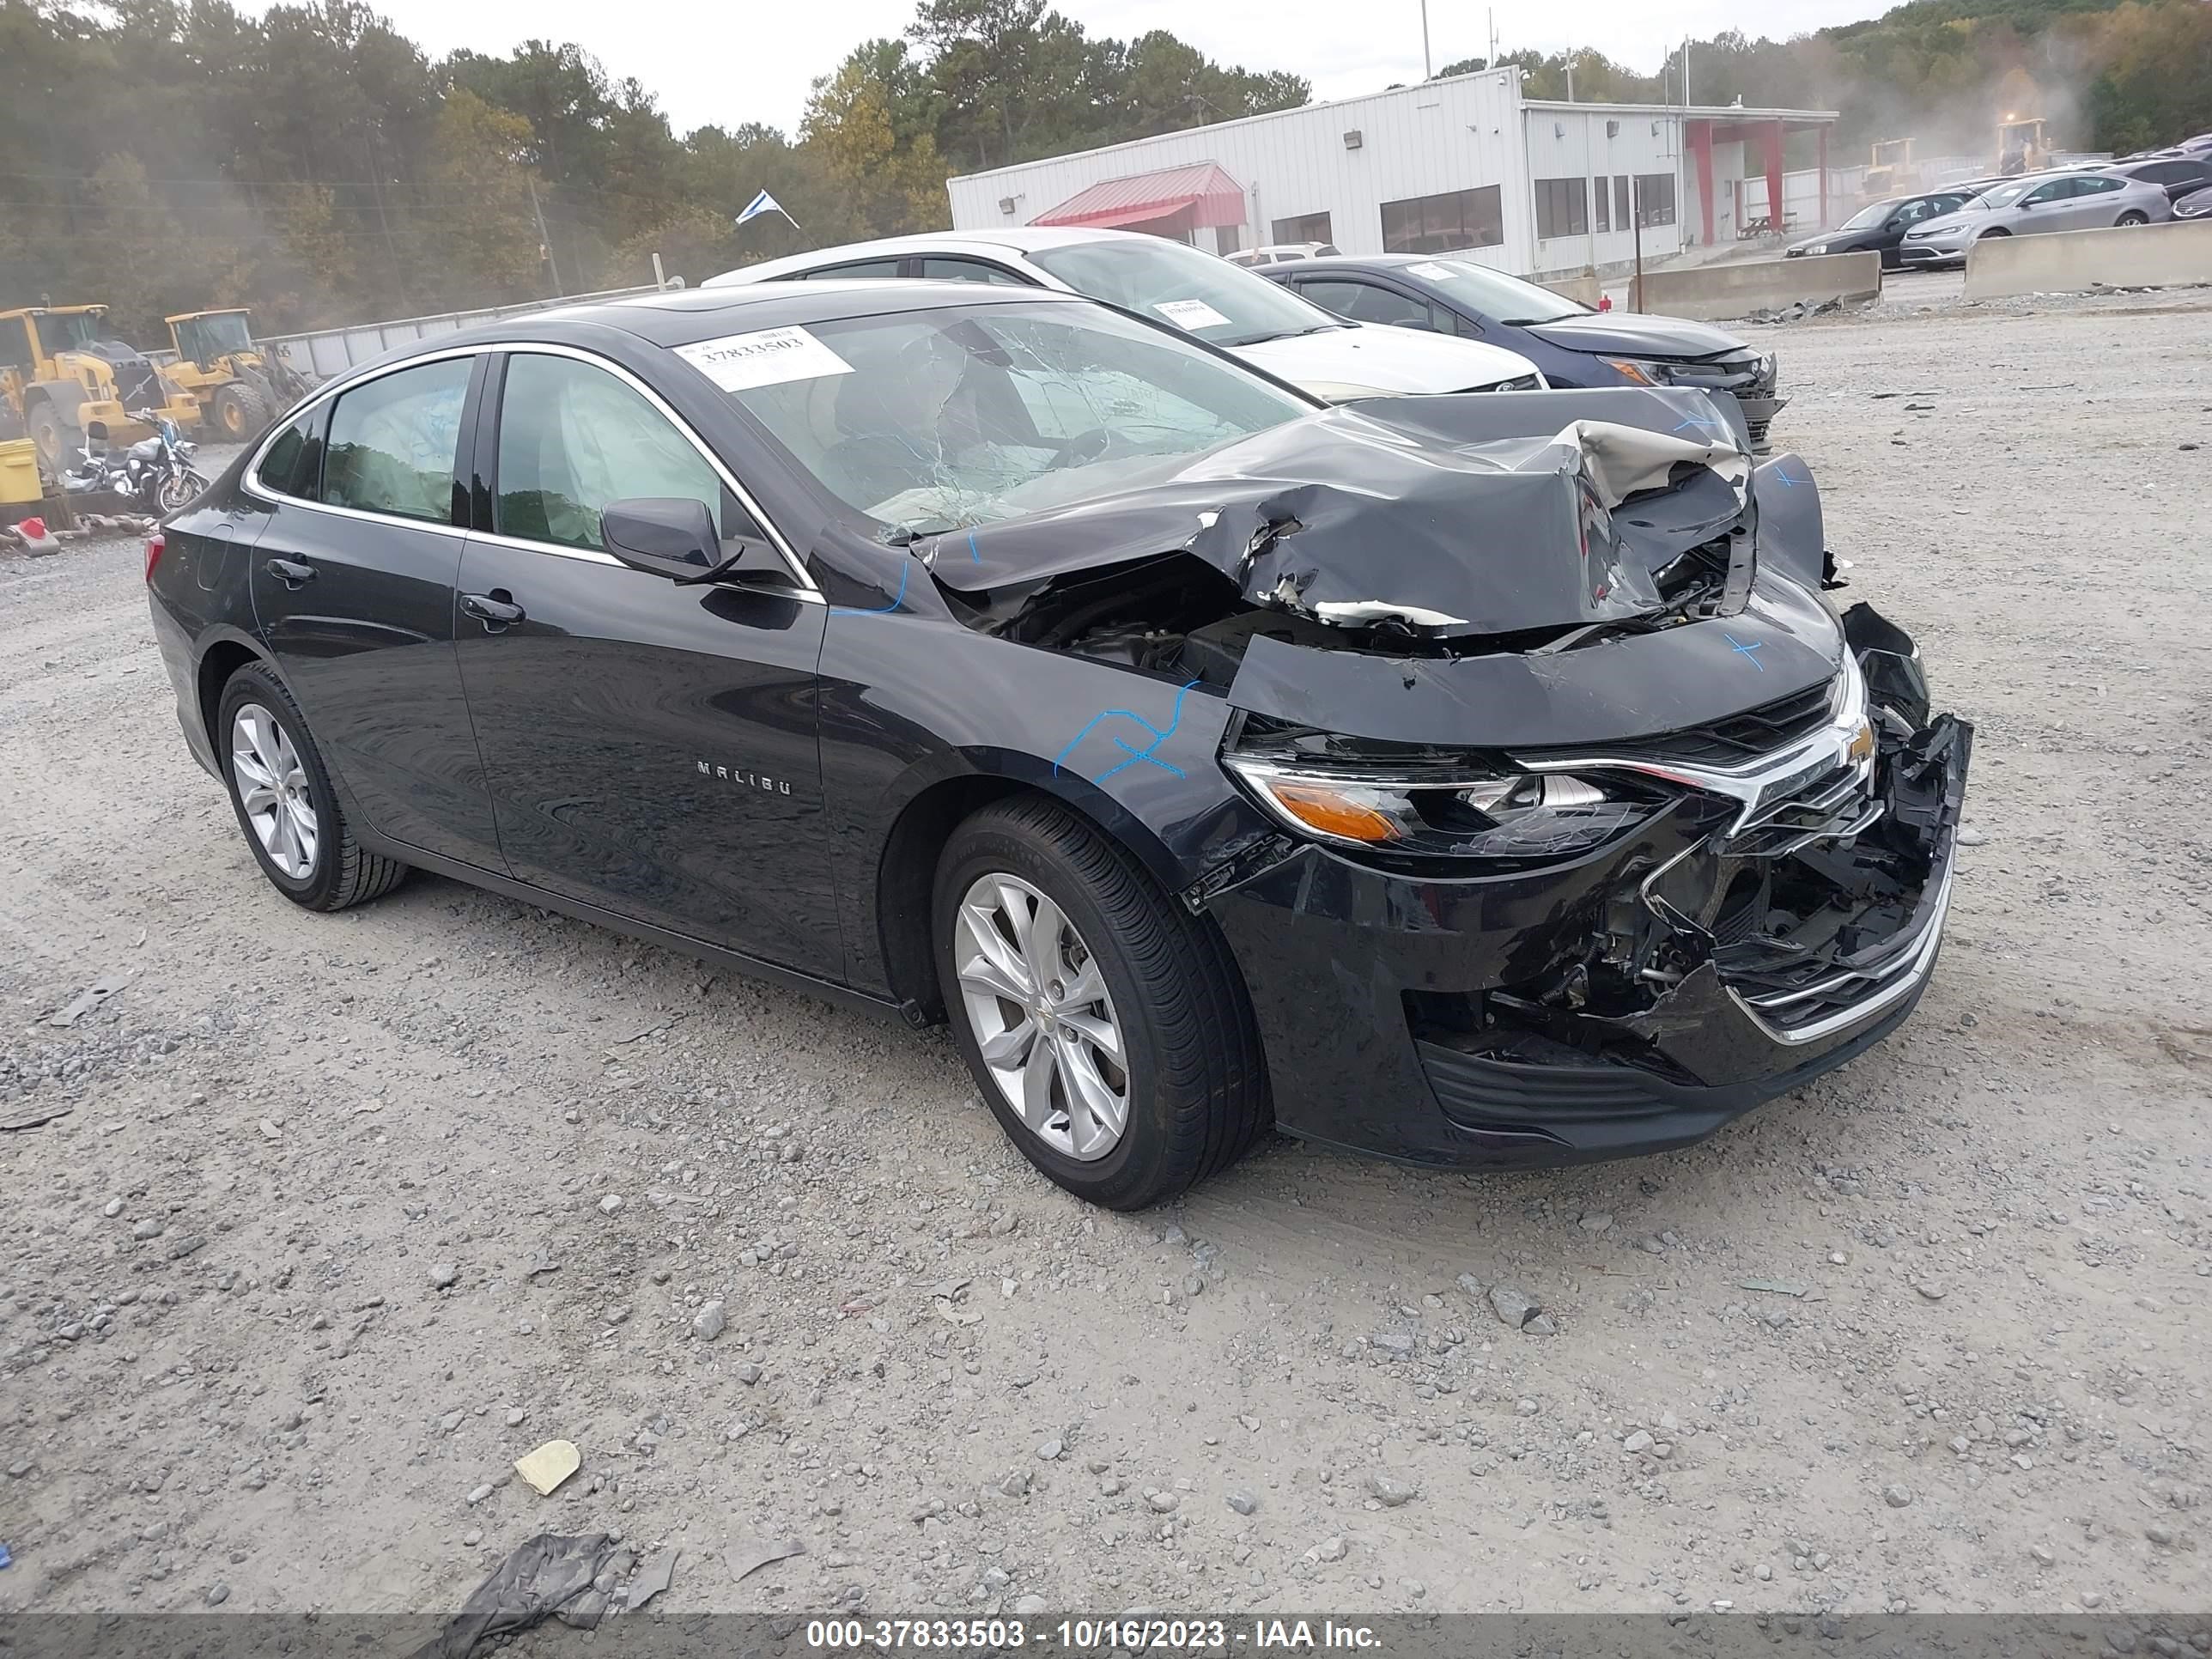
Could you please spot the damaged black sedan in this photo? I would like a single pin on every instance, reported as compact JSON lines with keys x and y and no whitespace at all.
{"x":1473,"y":780}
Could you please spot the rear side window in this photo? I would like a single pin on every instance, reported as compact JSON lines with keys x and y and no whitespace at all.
{"x":2097,"y":186}
{"x":947,"y":269}
{"x":857,"y":268}
{"x":572,"y":437}
{"x":293,"y":463}
{"x":393,"y":441}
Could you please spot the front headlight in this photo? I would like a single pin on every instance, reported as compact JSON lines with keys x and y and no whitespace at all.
{"x":1818,"y":247}
{"x":1641,"y":372}
{"x":1513,"y":817}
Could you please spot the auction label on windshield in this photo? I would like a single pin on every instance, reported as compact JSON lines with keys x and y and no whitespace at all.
{"x":769,"y":356}
{"x":1434,"y":273}
{"x":1190,"y":313}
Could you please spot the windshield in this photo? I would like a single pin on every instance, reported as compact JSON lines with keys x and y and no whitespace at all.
{"x":70,"y":331}
{"x":1493,"y":294}
{"x":1224,"y":305}
{"x":930,"y":420}
{"x":206,"y":337}
{"x":1867,"y":217}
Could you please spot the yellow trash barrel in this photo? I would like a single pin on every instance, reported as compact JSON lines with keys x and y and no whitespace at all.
{"x":19,"y":471}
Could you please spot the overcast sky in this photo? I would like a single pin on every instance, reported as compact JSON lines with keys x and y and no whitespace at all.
{"x":729,"y":64}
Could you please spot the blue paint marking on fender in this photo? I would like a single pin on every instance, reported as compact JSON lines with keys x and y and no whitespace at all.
{"x":878,"y":610}
{"x":1705,"y":426}
{"x":972,"y":553}
{"x":1145,"y":755}
{"x":1783,"y":478}
{"x":1750,"y":650}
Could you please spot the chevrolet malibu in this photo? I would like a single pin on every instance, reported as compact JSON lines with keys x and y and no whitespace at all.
{"x":1469,"y":780}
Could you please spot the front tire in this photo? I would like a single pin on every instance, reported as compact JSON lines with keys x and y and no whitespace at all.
{"x":281,"y":792}
{"x":1107,"y":1029}
{"x":178,"y":489}
{"x":241,"y":411}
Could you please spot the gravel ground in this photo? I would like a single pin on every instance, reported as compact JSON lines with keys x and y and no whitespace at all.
{"x":346,"y":1213}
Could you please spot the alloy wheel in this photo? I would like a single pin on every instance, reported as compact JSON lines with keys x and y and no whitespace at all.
{"x":272,"y":788}
{"x":1041,"y":1017}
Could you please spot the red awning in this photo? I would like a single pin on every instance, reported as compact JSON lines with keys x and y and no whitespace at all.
{"x":1202,"y":191}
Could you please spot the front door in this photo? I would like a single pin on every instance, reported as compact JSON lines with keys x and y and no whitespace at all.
{"x":651,"y":748}
{"x":353,"y":592}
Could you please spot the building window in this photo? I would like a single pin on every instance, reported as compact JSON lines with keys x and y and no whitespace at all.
{"x":1562,"y":207}
{"x":1600,"y":204}
{"x":1620,"y":213}
{"x":1443,"y":224}
{"x":1227,"y":238}
{"x":1306,"y":228}
{"x":1655,"y":198}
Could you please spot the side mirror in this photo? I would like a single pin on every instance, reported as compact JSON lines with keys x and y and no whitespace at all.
{"x":666,"y":535}
{"x":1894,"y":224}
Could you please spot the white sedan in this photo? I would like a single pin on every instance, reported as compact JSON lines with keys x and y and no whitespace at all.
{"x":1219,"y":303}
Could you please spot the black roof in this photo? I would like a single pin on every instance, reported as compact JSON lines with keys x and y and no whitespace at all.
{"x":686,"y":316}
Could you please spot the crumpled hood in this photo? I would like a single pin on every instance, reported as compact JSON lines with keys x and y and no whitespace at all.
{"x":1399,"y":361}
{"x":1430,"y":517}
{"x":1633,"y":335}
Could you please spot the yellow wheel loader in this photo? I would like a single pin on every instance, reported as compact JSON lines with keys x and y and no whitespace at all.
{"x":59,"y":372}
{"x":239,"y":385}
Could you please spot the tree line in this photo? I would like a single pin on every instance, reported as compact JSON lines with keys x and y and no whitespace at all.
{"x":315,"y":164}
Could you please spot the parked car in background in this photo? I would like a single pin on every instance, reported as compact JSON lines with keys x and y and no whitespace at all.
{"x":1279,"y":253}
{"x":1172,"y":283}
{"x":2177,"y":175}
{"x":2033,"y":203}
{"x":2197,"y":205}
{"x":1573,"y":345}
{"x":1212,"y":759}
{"x":1880,"y":227}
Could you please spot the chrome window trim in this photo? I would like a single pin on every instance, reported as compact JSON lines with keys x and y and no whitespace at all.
{"x":251,"y":481}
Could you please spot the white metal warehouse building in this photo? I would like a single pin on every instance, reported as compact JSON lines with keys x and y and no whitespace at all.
{"x":1465,"y":164}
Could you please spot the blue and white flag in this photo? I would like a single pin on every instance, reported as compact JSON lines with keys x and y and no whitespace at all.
{"x":762,"y":203}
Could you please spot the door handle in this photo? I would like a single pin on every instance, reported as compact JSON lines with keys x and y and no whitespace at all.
{"x":290,"y":572}
{"x":493,"y":610}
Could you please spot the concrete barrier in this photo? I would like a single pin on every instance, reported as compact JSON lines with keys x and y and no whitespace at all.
{"x":2068,"y":261}
{"x":1718,"y":292}
{"x":1584,"y":287}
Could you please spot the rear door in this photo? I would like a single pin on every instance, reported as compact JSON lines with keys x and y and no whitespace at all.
{"x":651,"y":748}
{"x":353,"y":594}
{"x":2096,"y":202}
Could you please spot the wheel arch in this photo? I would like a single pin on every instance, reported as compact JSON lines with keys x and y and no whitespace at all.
{"x":906,"y":871}
{"x":223,"y":657}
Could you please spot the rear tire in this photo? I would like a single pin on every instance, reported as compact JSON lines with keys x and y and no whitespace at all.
{"x":1148,"y":981}
{"x":2132,"y":217}
{"x":281,"y":792}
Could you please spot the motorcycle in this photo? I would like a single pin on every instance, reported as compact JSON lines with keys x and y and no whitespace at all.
{"x":155,"y":472}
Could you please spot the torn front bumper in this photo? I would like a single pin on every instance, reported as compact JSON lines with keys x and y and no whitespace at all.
{"x":1452,"y":1022}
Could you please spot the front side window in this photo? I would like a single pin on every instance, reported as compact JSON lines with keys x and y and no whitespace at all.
{"x":1222,"y":304}
{"x":1438,"y":224}
{"x":1369,"y":302}
{"x":393,"y":442}
{"x":929,"y":421}
{"x":573,"y":437}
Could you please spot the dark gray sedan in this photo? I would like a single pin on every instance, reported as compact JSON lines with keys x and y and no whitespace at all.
{"x":1573,"y":345}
